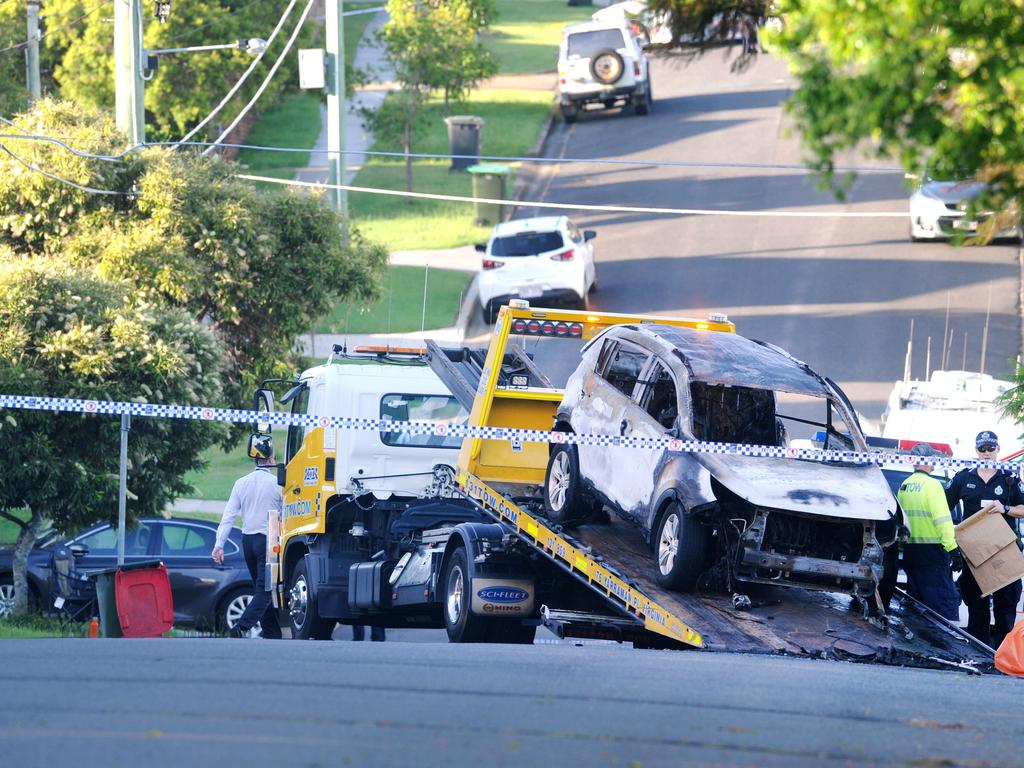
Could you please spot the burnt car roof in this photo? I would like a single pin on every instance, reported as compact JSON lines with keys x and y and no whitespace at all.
{"x":728,"y":358}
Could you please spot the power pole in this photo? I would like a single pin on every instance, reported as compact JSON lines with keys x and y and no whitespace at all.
{"x":130,"y":90}
{"x":32,"y":52}
{"x":335,"y":23}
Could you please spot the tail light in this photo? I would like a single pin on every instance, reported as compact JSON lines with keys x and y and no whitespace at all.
{"x":568,"y":255}
{"x":491,"y":264}
{"x":636,"y":69}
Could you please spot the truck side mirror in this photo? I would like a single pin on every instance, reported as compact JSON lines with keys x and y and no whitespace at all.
{"x":281,"y":474}
{"x":262,"y":402}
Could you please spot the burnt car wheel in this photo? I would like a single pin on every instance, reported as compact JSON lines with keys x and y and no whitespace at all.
{"x":563,"y":496}
{"x":305,"y":622}
{"x":680,"y":548}
{"x":462,"y":626}
{"x":607,"y":66}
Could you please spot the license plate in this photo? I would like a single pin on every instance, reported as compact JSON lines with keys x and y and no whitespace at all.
{"x":967,"y":224}
{"x":531,"y":292}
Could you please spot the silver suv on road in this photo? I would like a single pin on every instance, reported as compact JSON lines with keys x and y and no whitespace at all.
{"x":602,"y":62}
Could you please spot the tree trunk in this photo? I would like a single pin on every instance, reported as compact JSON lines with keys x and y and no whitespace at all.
{"x":407,"y":146}
{"x":26,"y":540}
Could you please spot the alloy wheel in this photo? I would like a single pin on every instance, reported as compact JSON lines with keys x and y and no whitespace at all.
{"x":453,"y":603}
{"x":558,"y":481}
{"x":668,"y":543}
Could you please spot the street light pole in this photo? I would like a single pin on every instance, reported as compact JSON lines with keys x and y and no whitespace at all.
{"x":32,"y":52}
{"x":335,"y":24}
{"x":130,"y":90}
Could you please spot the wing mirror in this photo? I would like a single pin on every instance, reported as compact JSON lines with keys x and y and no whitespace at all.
{"x":78,"y":550}
{"x":481,"y":247}
{"x":589,"y":234}
{"x":262,"y":403}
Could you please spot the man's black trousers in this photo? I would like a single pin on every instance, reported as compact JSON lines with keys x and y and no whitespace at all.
{"x":260,"y":608}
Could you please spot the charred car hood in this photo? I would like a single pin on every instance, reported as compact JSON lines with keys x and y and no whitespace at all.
{"x":857,"y":492}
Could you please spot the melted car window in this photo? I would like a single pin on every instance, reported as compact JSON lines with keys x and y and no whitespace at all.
{"x":724,"y":414}
{"x":659,"y":399}
{"x":624,"y":369}
{"x":526,"y":244}
{"x":586,"y":44}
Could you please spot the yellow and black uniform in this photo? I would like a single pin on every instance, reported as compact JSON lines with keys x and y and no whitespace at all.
{"x":926,"y":556}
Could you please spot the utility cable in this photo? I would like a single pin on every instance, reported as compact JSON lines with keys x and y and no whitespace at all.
{"x":583,"y":207}
{"x":241,"y":81}
{"x":266,"y":80}
{"x":61,"y":179}
{"x":72,"y":23}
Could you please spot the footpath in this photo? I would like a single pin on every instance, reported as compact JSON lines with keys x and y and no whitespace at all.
{"x":370,"y":58}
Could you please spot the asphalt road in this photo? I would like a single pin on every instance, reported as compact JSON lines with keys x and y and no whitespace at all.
{"x":837,"y":293}
{"x":224,"y":703}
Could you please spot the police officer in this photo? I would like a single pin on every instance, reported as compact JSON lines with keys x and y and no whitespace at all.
{"x":931,"y":547}
{"x":977,"y":488}
{"x":253,"y":496}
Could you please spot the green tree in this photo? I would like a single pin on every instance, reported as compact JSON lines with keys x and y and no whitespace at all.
{"x":258,"y":267}
{"x":432,"y":46}
{"x":185,"y":87}
{"x":68,"y":333}
{"x":928,"y":81}
{"x":13,"y":89}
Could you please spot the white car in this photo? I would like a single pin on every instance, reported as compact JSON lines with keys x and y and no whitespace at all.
{"x":938,"y":208}
{"x":602,"y":62}
{"x":547,"y":260}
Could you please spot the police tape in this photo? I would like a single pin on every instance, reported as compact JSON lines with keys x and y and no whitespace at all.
{"x":515,"y":435}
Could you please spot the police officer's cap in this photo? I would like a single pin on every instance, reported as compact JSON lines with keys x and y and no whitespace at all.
{"x":923,"y":449}
{"x":986,"y":439}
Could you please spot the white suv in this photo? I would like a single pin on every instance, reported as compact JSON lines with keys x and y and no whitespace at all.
{"x":547,"y":260}
{"x":601,"y":61}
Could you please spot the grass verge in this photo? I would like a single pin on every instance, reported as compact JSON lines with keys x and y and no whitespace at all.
{"x":512,"y":120}
{"x":216,"y":480}
{"x":526,"y":35}
{"x":35,"y":626}
{"x":9,"y":531}
{"x":401,"y":308}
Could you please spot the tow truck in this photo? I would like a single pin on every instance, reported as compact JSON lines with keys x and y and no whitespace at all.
{"x":475,"y":554}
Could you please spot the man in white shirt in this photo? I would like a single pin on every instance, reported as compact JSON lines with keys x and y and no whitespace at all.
{"x":254,"y":496}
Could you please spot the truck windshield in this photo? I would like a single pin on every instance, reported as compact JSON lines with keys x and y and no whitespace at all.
{"x":439,"y":409}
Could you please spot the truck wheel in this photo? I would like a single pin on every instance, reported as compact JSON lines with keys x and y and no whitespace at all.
{"x":461,"y":624}
{"x":680,"y":548}
{"x":303,"y":618}
{"x":563,"y":497}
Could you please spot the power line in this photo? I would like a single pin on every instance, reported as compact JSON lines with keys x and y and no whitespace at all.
{"x":266,"y":80}
{"x":238,"y":84}
{"x":584,"y":207}
{"x":72,"y":23}
{"x":61,"y":179}
{"x":502,"y":158}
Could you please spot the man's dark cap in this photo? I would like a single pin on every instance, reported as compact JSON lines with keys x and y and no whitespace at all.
{"x":986,"y":439}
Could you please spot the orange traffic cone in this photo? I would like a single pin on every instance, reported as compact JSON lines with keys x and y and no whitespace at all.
{"x":94,"y":628}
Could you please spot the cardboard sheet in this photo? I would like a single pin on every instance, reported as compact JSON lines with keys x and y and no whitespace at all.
{"x":990,"y":548}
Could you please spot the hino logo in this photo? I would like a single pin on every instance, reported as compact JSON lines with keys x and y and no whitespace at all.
{"x":503,"y":594}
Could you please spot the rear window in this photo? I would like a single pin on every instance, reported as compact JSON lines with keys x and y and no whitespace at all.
{"x":526,"y":244}
{"x":586,"y":44}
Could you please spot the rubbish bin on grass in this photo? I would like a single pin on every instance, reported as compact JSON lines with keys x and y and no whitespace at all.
{"x":490,"y":181}
{"x":134,"y":600}
{"x":464,"y":139}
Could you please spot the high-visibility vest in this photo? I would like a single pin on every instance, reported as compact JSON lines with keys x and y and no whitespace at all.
{"x":923,"y":501}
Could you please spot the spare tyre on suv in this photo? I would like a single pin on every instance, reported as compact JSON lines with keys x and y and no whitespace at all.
{"x":601,"y":61}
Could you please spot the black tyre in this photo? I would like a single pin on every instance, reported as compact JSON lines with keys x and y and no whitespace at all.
{"x":680,"y":549}
{"x":305,"y":622}
{"x":607,"y":66}
{"x":487,"y":313}
{"x":511,"y":633}
{"x":462,"y":626}
{"x":569,"y":113}
{"x":564,"y":501}
{"x":231,"y":608}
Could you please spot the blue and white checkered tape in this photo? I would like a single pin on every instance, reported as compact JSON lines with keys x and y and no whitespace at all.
{"x":230,"y":415}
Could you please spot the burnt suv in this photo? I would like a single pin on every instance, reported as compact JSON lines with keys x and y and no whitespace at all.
{"x":813,"y":524}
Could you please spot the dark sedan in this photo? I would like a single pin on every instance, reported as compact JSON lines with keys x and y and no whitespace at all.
{"x":206,"y":595}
